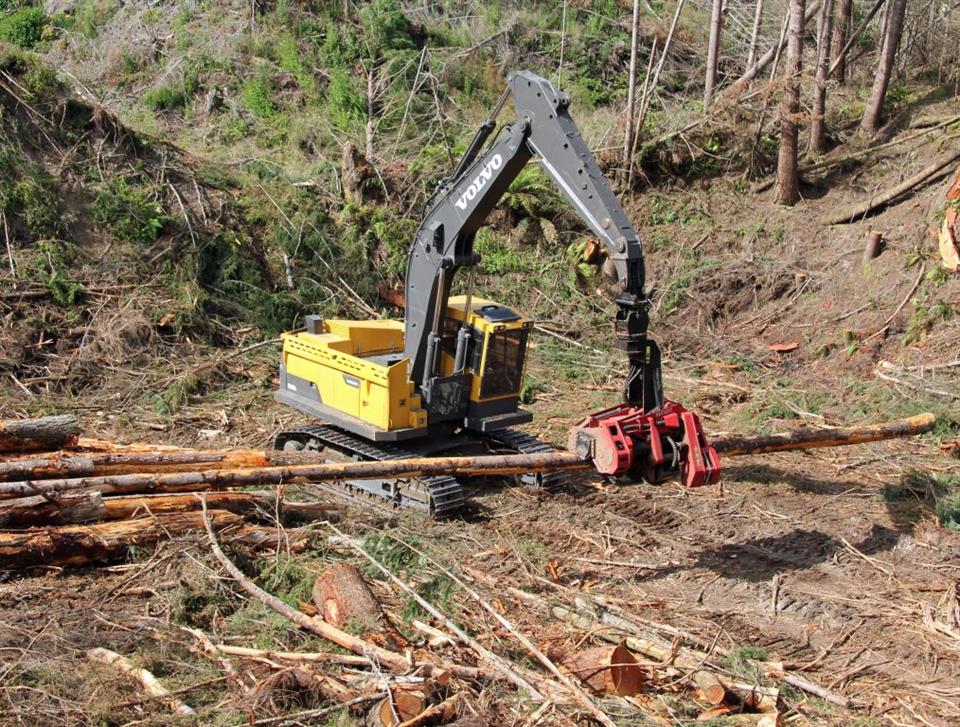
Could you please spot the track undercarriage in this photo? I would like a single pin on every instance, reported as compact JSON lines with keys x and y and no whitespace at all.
{"x":441,"y":496}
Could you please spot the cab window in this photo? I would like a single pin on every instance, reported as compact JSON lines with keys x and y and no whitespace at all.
{"x":503,"y":370}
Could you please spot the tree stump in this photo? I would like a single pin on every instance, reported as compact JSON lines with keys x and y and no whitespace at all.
{"x":43,"y":434}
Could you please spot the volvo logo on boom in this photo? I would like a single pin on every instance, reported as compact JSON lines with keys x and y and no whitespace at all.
{"x":480,"y":181}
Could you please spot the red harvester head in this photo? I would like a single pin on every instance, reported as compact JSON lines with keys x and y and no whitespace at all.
{"x":662,"y":444}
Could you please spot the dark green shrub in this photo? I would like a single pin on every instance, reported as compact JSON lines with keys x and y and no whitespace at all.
{"x":23,"y":28}
{"x":165,"y":98}
{"x":257,"y":97}
{"x":130,"y":212}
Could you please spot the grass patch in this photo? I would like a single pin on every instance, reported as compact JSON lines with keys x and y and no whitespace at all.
{"x":130,"y":211}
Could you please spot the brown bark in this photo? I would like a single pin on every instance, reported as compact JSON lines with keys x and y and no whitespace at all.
{"x":71,"y":507}
{"x":220,"y":479}
{"x":830,"y":437}
{"x":818,"y":139}
{"x":43,"y":434}
{"x":713,"y":52}
{"x":354,"y":171}
{"x":755,"y":34}
{"x":841,"y":30}
{"x":842,"y":55}
{"x":888,"y":54}
{"x":79,"y":507}
{"x":86,"y":544}
{"x":607,"y":670}
{"x":60,"y":464}
{"x":788,"y":179}
{"x":874,"y":244}
{"x":344,"y":599}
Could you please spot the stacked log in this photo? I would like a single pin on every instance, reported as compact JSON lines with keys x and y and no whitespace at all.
{"x":44,"y":525}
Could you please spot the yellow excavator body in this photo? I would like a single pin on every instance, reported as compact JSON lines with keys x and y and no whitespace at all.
{"x":356,"y":369}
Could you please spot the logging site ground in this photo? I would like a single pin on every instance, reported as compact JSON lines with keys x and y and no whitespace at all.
{"x":183,"y":181}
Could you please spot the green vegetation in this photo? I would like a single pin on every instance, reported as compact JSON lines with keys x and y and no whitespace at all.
{"x":23,"y":28}
{"x":130,"y":211}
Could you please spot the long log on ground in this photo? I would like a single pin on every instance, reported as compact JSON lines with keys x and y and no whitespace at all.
{"x":32,"y":435}
{"x":150,"y":683}
{"x":99,"y":464}
{"x":84,"y":544}
{"x":88,"y":506}
{"x":454,"y":466}
{"x":508,"y":464}
{"x":928,"y":173}
{"x":828,"y":437}
{"x":345,"y":600}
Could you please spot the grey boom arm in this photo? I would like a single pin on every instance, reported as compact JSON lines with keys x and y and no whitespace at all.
{"x":459,"y":207}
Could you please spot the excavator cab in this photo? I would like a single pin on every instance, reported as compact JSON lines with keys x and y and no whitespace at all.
{"x":495,"y":356}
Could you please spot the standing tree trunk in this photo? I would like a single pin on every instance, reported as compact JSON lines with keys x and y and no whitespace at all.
{"x":840,"y":32}
{"x":713,"y":52}
{"x":755,"y":35}
{"x":631,"y":92}
{"x":817,"y":125}
{"x":788,"y":178}
{"x":888,"y":54}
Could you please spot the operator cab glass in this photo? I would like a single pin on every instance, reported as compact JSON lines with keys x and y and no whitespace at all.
{"x":503,"y":365}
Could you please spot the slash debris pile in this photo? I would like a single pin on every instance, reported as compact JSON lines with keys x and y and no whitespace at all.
{"x":68,"y":500}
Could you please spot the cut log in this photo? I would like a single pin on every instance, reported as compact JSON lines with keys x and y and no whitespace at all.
{"x":828,"y":437}
{"x":100,"y":542}
{"x":101,"y":464}
{"x":220,"y":479}
{"x":404,"y":705}
{"x":607,"y":670}
{"x":150,"y":683}
{"x":709,"y":687}
{"x":345,"y":600}
{"x":71,"y":507}
{"x":36,"y":435}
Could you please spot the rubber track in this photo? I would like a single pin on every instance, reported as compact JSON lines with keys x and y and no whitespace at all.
{"x":438,"y":496}
{"x":528,"y":444}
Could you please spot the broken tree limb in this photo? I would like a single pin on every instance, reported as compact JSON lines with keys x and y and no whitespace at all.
{"x":87,"y":506}
{"x":43,"y":434}
{"x":84,"y":544}
{"x":828,"y":437}
{"x":488,"y":656}
{"x":150,"y":683}
{"x":928,"y":173}
{"x":387,"y":658}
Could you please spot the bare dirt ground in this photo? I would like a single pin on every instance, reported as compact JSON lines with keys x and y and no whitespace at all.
{"x":831,"y":562}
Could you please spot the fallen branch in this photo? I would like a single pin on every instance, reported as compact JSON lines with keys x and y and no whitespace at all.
{"x":484,"y":653}
{"x":928,"y":173}
{"x":151,"y":684}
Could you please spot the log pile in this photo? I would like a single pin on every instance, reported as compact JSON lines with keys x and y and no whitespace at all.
{"x":42,"y":524}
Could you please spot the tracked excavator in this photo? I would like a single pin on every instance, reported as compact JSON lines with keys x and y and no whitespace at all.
{"x":447,"y":379}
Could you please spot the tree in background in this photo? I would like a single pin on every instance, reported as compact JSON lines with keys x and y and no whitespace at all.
{"x":713,"y":52}
{"x":788,"y":178}
{"x":817,"y":126}
{"x":841,"y":29}
{"x":888,"y":54}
